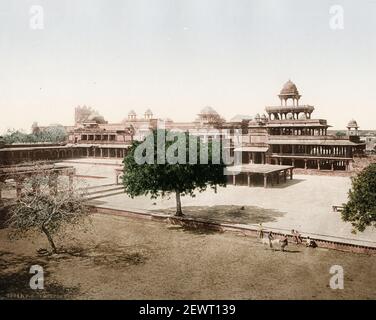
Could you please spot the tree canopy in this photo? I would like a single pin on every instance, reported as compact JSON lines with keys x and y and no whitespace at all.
{"x":172,"y":164}
{"x":360,"y":209}
{"x":54,"y":133}
{"x":47,"y":204}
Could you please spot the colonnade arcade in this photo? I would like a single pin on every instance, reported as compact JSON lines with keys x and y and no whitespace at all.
{"x":303,"y":131}
{"x":255,"y":174}
{"x":18,"y":155}
{"x":289,"y":112}
{"x":314,"y":163}
{"x":103,"y":152}
{"x":290,"y":115}
{"x":313,"y":150}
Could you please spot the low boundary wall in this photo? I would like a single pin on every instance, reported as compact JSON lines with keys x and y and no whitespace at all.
{"x":246,"y":230}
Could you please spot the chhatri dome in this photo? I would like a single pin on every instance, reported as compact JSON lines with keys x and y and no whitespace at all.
{"x":289,"y":91}
{"x":208,"y":110}
{"x":148,"y":114}
{"x":131,"y":116}
{"x":208,"y":114}
{"x":352,"y":124}
{"x":289,"y":88}
{"x":352,"y":128}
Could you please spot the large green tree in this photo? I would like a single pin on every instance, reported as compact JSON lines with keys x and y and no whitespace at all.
{"x":360,"y":209}
{"x":167,"y":163}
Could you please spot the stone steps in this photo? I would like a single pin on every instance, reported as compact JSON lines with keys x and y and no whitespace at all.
{"x":104,"y":195}
{"x":104,"y":190}
{"x":96,"y":192}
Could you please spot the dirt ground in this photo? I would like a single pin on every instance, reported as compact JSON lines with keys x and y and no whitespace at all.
{"x":125,"y":258}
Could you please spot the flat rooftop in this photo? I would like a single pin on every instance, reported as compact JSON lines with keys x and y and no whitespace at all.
{"x":259,"y":168}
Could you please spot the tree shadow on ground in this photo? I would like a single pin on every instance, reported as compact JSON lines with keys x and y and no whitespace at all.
{"x":15,"y":269}
{"x":230,"y":213}
{"x":287,"y":184}
{"x":287,"y":251}
{"x":197,"y":230}
{"x":103,"y":254}
{"x":15,"y":279}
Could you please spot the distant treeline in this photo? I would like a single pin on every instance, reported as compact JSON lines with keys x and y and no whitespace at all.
{"x":48,"y":134}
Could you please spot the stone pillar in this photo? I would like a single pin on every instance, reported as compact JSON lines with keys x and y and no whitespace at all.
{"x":101,"y":152}
{"x":318,"y":164}
{"x":265,"y":180}
{"x":332,"y":165}
{"x":249,"y":179}
{"x":234,"y":180}
{"x":291,"y":175}
{"x":305,"y":164}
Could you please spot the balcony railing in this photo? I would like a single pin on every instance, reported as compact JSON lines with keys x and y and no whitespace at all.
{"x":102,"y":142}
{"x":275,"y":154}
{"x":300,"y":137}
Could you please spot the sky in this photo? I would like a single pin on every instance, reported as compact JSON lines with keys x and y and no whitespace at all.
{"x":178,"y":56}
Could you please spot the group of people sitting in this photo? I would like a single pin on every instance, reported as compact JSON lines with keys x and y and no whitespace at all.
{"x":298,"y":239}
{"x":284,"y":241}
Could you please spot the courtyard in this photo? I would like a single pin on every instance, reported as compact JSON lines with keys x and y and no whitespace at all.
{"x":304,"y":203}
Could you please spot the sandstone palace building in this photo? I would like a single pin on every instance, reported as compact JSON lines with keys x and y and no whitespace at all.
{"x":287,"y":134}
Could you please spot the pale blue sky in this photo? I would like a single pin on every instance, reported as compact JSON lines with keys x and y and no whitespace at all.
{"x":176,"y":56}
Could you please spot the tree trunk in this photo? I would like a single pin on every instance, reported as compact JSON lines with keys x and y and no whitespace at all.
{"x":50,"y":240}
{"x":178,"y":213}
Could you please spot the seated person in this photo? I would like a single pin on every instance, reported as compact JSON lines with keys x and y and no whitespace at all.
{"x":310,"y":243}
